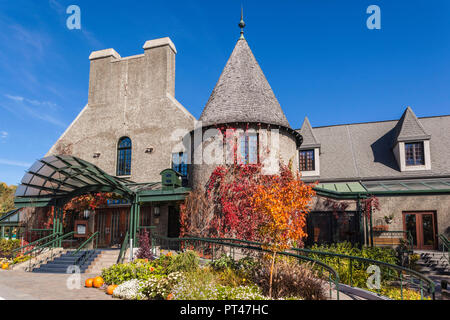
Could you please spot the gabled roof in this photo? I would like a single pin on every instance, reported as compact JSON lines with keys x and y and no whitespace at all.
{"x":242,"y":93}
{"x":363,"y":151}
{"x":309,"y":139}
{"x":409,"y":128}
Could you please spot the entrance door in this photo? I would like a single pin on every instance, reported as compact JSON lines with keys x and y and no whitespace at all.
{"x":173,"y":230}
{"x":422,"y":226}
{"x":112,"y":224}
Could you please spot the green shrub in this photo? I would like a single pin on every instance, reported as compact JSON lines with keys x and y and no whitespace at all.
{"x":223,"y":263}
{"x":204,"y":285}
{"x":358,"y":275}
{"x":7,"y":246}
{"x":164,"y":260}
{"x":21,"y":258}
{"x":138,"y":269}
{"x":186,"y":261}
{"x":375,"y":253}
{"x":395,"y":293}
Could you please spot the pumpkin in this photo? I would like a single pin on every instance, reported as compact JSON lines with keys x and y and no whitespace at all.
{"x":5,"y":266}
{"x":98,"y":282}
{"x":88,"y":283}
{"x":111,"y":288}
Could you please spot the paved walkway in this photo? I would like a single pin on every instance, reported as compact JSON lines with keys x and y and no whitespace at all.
{"x":19,"y":285}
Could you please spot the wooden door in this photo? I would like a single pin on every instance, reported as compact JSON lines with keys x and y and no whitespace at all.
{"x":422,"y":226}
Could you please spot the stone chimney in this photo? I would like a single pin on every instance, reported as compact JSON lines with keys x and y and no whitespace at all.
{"x":161,"y":54}
{"x":116,"y":80}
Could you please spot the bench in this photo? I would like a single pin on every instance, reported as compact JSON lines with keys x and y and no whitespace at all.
{"x":386,"y":241}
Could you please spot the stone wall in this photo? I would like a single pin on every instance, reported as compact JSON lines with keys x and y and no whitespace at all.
{"x":396,"y":205}
{"x":200,"y":172}
{"x":133,"y":97}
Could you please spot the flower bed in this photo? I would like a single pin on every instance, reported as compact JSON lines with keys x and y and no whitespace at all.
{"x":181,"y":277}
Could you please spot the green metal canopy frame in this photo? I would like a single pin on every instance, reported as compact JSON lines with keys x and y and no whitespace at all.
{"x":55,"y":180}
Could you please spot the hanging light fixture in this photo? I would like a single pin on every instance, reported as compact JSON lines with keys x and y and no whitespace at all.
{"x":87,"y":213}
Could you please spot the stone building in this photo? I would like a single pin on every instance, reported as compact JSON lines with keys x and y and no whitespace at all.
{"x":404,"y":163}
{"x":133,"y":128}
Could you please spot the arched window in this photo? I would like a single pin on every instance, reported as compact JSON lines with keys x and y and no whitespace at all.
{"x":124,"y":157}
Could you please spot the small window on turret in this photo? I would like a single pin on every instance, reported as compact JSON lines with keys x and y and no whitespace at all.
{"x":249,"y":148}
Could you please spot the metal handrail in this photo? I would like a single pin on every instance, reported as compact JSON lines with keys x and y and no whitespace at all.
{"x":87,"y":253}
{"x":429,"y":282}
{"x":445,"y":246}
{"x":95,"y":234}
{"x":50,"y":242}
{"x":259,"y":247}
{"x":123,"y":249}
{"x":34,"y":242}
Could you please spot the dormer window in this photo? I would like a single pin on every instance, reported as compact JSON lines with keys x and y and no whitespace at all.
{"x":309,"y":153}
{"x":414,"y":154}
{"x":307,"y":162}
{"x":412,"y":143}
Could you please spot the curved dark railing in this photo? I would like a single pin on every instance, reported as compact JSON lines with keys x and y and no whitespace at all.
{"x":398,"y":275}
{"x":389,"y":272}
{"x":209,"y":245}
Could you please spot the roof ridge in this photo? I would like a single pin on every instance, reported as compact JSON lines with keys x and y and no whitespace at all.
{"x":369,"y":122}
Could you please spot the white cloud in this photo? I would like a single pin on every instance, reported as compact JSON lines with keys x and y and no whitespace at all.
{"x":3,"y":134}
{"x":33,"y":102}
{"x":15,"y":163}
{"x":34,"y":108}
{"x":15,"y":98}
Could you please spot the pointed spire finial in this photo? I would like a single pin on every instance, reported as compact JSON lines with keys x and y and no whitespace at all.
{"x":242,"y":23}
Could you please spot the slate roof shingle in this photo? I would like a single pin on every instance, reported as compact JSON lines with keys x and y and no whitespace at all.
{"x":363,"y":151}
{"x":242,"y":93}
{"x":409,"y":128}
{"x":309,"y":139}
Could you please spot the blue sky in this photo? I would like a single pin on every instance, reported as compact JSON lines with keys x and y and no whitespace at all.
{"x":318,"y":55}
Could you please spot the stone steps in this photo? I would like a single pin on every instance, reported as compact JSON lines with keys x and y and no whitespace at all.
{"x":63,"y":262}
{"x":436,"y":267}
{"x":105,"y":259}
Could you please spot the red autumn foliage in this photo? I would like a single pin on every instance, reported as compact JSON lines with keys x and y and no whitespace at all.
{"x":226,"y":209}
{"x":78,"y":204}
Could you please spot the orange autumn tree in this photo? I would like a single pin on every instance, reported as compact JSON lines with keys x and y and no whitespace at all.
{"x":285,"y":206}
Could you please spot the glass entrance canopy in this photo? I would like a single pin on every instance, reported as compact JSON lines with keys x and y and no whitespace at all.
{"x":62,"y":177}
